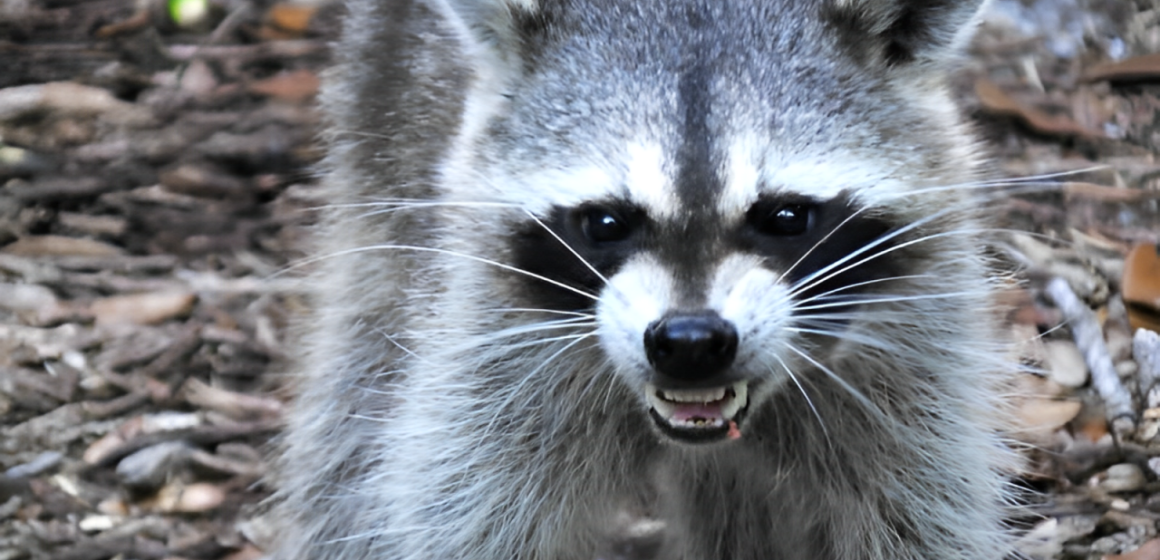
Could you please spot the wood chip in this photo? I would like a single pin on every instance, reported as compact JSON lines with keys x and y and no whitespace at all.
{"x":142,"y":309}
{"x":238,"y":406}
{"x":59,"y":245}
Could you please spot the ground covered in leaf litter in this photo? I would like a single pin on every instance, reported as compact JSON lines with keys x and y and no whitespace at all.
{"x":155,"y":182}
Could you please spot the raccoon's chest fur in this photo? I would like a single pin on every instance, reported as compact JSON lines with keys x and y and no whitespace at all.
{"x":680,"y":279}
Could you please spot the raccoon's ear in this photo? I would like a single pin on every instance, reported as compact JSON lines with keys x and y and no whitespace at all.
{"x":897,"y":32}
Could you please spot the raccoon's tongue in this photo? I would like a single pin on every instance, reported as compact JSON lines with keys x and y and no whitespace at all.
{"x":689,"y":412}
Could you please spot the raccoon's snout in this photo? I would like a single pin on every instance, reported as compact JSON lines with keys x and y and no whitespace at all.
{"x":691,"y":347}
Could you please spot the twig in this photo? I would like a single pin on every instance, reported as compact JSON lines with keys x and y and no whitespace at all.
{"x":1146,"y":351}
{"x":1089,"y":338}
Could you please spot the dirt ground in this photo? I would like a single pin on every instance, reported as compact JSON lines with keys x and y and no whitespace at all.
{"x":156,"y":188}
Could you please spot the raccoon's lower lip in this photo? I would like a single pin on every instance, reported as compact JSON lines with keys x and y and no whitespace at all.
{"x":698,"y":415}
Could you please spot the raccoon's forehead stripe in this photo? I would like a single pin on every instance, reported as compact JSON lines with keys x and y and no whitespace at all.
{"x":697,"y":181}
{"x":648,"y":184}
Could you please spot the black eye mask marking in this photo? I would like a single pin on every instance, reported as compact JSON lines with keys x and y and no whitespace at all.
{"x":796,"y":236}
{"x":803,"y":237}
{"x":604,"y":235}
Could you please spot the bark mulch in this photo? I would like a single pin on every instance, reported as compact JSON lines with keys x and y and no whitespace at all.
{"x":156,"y":186}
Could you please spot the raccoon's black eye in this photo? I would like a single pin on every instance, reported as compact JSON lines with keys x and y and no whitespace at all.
{"x":601,"y":225}
{"x":782,"y":219}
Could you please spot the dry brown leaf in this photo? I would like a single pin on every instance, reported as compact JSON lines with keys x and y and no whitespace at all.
{"x":1137,"y":68}
{"x":1147,"y":551}
{"x":60,"y":246}
{"x":142,"y":309}
{"x":299,"y":85}
{"x":997,"y":101}
{"x":1141,"y":286}
{"x":289,"y":17}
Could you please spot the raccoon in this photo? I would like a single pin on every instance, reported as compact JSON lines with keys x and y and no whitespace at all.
{"x":682,"y":279}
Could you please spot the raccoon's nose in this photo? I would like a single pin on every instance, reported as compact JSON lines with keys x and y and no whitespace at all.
{"x":691,"y":346}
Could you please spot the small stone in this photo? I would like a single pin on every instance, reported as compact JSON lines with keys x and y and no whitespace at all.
{"x":26,"y":297}
{"x":149,"y":468}
{"x":1066,"y":364}
{"x":1124,"y":477}
{"x":1126,"y":369}
{"x":42,"y":463}
{"x":193,"y":498}
{"x":96,"y":523}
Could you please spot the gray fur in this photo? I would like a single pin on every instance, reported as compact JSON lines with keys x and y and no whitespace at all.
{"x":438,"y":419}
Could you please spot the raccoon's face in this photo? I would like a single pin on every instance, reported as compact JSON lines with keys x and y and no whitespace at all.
{"x":726,"y":202}
{"x":707,"y":305}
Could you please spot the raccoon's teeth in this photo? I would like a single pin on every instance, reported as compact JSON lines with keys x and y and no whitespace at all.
{"x":702,"y":396}
{"x":699,"y":408}
{"x":739,"y":400}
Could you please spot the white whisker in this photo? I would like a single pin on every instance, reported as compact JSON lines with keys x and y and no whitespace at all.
{"x":869,"y":405}
{"x":856,"y":285}
{"x":448,"y":252}
{"x":809,"y":402}
{"x":858,"y":300}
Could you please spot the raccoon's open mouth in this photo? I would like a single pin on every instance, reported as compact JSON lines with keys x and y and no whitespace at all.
{"x":699,"y":415}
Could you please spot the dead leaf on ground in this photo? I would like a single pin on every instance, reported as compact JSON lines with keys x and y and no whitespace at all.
{"x":296,"y":86}
{"x":291,"y":17}
{"x":1141,"y":286}
{"x":1137,"y":68}
{"x":999,"y":102}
